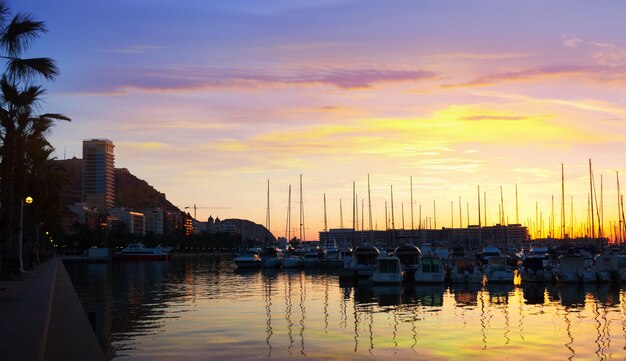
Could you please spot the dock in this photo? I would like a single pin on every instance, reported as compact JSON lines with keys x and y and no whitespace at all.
{"x":42,"y":319}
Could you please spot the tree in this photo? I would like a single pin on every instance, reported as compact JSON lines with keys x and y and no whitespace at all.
{"x":19,"y":124}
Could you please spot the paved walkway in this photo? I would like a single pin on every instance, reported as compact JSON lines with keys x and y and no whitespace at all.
{"x":41,"y":318}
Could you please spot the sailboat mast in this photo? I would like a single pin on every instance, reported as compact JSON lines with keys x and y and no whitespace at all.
{"x":501,"y":207}
{"x":562,"y":202}
{"x":460,"y":214}
{"x":435,"y":213}
{"x":412,"y":226}
{"x":516,"y":206}
{"x":340,"y":214}
{"x":593,"y":235}
{"x":267,"y":214}
{"x":369,"y":201}
{"x":325,"y":217}
{"x":619,"y":218}
{"x":288,"y":225}
{"x":452,"y":213}
{"x":393,"y":224}
{"x":302,"y":232}
{"x":479,"y":221}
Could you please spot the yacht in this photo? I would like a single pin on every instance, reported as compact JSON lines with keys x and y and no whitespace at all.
{"x":387,"y":270}
{"x":271,"y":257}
{"x":333,"y":257}
{"x":466,"y":270}
{"x":571,"y":269}
{"x":409,"y":256}
{"x":533,"y":269}
{"x":497,"y":270}
{"x":292,"y":259}
{"x":430,"y":268}
{"x":313,"y":257}
{"x":251,"y":258}
{"x":363,"y":260}
{"x":138,"y":252}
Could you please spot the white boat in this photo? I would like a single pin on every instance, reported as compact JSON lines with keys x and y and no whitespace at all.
{"x":251,"y":258}
{"x":292,"y":259}
{"x":604,"y":268}
{"x":363,"y":260}
{"x":488,"y":252}
{"x":571,"y":269}
{"x":409,"y":256}
{"x":430,"y":270}
{"x":313,"y":257}
{"x":533,"y":269}
{"x":387,"y":270}
{"x":271,"y":257}
{"x":465,"y":270}
{"x":620,"y":267}
{"x":497,"y":270}
{"x":332,"y":257}
{"x":138,"y":252}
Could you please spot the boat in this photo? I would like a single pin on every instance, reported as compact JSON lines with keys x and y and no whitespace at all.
{"x":313,"y":257}
{"x":465,"y":270}
{"x":497,"y":270}
{"x":387,"y":270}
{"x":363,"y":260}
{"x":139,"y":252}
{"x":251,"y":258}
{"x":488,"y":252}
{"x":291,"y":260}
{"x":603,"y":267}
{"x":571,"y":269}
{"x":533,"y":269}
{"x":409,"y":256}
{"x":271,"y":257}
{"x":332,"y":257}
{"x":430,"y":268}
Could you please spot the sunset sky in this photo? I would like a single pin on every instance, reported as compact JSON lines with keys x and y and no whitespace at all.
{"x":207,"y":100}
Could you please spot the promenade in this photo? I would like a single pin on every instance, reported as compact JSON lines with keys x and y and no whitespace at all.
{"x":41,"y":318}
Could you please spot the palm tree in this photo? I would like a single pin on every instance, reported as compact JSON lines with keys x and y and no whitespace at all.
{"x":18,"y":121}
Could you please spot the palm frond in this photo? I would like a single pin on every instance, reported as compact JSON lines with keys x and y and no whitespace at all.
{"x":55,"y":116}
{"x":4,"y":12}
{"x":30,"y":68}
{"x":20,"y":33}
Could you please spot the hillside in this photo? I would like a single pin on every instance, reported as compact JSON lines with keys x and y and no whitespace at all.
{"x":130,"y":191}
{"x":252,"y":230}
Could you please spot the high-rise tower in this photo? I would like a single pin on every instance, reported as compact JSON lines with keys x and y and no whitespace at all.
{"x":98,"y":173}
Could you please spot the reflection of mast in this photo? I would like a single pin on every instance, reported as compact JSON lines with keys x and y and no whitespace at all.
{"x":356,"y":324}
{"x":568,"y":326}
{"x":268,"y":313}
{"x":302,"y":314}
{"x":288,"y":306}
{"x":326,"y":305}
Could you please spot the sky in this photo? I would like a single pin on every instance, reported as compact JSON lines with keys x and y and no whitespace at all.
{"x":208,"y":100}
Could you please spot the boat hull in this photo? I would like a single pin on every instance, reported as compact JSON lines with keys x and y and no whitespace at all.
{"x":140,"y":257}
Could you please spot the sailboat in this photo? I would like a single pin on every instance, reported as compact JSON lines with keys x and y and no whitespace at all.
{"x":272,"y":256}
{"x":292,"y":258}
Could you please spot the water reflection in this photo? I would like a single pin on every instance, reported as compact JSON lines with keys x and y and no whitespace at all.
{"x":200,"y":308}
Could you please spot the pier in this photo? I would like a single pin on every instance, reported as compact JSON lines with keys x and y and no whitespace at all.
{"x":41,"y":318}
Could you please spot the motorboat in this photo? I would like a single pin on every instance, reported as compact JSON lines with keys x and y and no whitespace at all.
{"x":533,"y":269}
{"x":271,"y":257}
{"x":465,"y":270}
{"x":387,"y":270}
{"x":497,"y":270}
{"x":430,"y":270}
{"x":571,"y":269}
{"x":313,"y":257}
{"x":604,"y":268}
{"x":139,"y":252}
{"x":409,"y":256}
{"x":292,"y":259}
{"x":251,"y":258}
{"x":364,"y":260}
{"x":333,"y":257}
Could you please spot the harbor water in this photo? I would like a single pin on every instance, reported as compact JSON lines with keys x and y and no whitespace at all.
{"x":202,"y":308}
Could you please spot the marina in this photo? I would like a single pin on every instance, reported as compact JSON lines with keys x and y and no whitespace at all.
{"x":202,"y":307}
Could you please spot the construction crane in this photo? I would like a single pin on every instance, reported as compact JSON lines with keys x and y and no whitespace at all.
{"x":195,"y":208}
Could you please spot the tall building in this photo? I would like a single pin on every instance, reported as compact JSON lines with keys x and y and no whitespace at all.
{"x":98,"y":173}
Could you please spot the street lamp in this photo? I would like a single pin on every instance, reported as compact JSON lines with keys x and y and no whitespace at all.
{"x":27,"y":200}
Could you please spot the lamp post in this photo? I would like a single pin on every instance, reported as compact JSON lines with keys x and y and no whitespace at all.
{"x":27,"y":200}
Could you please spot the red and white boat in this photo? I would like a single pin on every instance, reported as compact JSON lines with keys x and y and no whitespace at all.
{"x":138,"y":252}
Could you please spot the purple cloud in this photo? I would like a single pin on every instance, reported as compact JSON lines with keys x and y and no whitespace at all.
{"x":194,"y":78}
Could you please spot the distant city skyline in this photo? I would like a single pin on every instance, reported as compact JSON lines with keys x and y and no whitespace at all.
{"x":207,"y":100}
